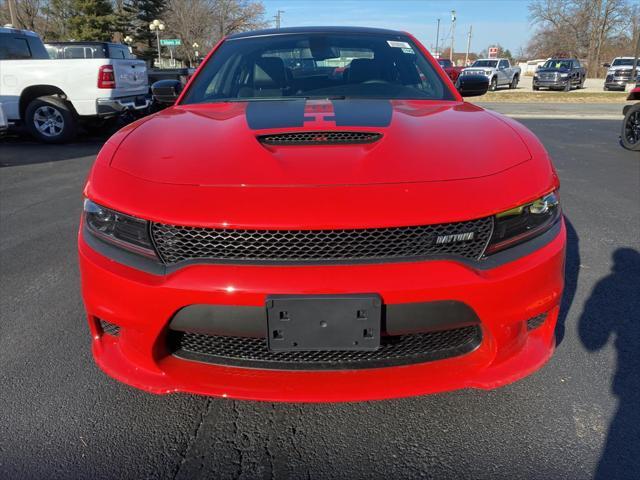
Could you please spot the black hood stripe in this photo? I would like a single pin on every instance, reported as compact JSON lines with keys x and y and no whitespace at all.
{"x":362,"y":113}
{"x":291,"y":113}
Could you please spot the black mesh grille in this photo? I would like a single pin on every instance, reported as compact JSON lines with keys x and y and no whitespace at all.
{"x":109,"y":328}
{"x":319,"y":138}
{"x":536,"y":321}
{"x":175,"y":243}
{"x":396,"y":350}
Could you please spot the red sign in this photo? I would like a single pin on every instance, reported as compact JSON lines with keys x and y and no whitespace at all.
{"x":493,"y":52}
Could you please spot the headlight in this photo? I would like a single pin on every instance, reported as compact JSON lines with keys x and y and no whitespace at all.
{"x":535,"y":75}
{"x":523,"y":223}
{"x":611,"y":72}
{"x":122,"y":230}
{"x":487,"y":72}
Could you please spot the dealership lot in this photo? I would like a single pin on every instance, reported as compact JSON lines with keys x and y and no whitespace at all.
{"x":63,"y":418}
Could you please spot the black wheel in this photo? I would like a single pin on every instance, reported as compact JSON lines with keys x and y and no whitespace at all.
{"x":567,"y":87}
{"x":605,"y":88}
{"x":493,"y":86}
{"x":51,"y":120}
{"x":514,"y":83}
{"x":630,"y":136}
{"x":581,"y":83}
{"x":536,"y":88}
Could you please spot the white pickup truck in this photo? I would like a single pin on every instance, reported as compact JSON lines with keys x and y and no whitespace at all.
{"x":52,"y":97}
{"x":497,"y":70}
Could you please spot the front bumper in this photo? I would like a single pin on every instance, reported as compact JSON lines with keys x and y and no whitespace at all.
{"x":503,"y":297}
{"x":109,"y":107}
{"x":556,"y":83}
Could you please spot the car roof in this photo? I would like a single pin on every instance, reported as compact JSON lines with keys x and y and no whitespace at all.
{"x":290,"y":30}
{"x":17,"y":31}
{"x":83,"y":43}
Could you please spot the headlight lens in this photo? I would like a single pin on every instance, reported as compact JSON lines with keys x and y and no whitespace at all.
{"x":122,"y":230}
{"x":523,"y":223}
{"x":487,"y":72}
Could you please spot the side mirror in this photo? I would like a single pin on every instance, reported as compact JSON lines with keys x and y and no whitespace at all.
{"x":606,"y":65}
{"x":472,"y":85}
{"x":166,"y":91}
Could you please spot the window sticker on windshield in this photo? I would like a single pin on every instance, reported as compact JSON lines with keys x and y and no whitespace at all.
{"x":402,"y":45}
{"x":409,"y":50}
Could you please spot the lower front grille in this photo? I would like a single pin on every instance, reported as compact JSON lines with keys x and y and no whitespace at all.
{"x":394,"y":350}
{"x":109,"y":328}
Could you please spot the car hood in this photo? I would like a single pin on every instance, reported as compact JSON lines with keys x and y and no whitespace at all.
{"x":421,"y":141}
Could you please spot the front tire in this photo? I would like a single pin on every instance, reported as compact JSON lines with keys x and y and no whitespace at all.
{"x":493,"y":86}
{"x":567,"y":87}
{"x":51,"y":120}
{"x":514,"y":83}
{"x":630,"y":135}
{"x":536,"y":88}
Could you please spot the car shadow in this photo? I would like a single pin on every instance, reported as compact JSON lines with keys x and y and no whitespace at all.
{"x":17,"y":150}
{"x":613,"y":310}
{"x":571,"y":273}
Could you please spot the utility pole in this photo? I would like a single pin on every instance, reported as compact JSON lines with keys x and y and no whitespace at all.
{"x":466,"y":57}
{"x":12,"y":14}
{"x":437,"y":38}
{"x":453,"y":32}
{"x":277,"y":17}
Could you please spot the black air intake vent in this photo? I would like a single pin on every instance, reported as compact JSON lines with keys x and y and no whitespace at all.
{"x":319,"y":138}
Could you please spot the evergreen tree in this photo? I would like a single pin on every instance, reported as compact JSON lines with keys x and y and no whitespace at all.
{"x":143,"y":12}
{"x":91,"y":20}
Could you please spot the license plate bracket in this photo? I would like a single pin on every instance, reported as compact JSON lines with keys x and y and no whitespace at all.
{"x":324,"y":322}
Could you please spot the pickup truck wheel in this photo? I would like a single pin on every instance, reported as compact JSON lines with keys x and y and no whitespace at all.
{"x":493,"y":86}
{"x":51,"y":120}
{"x":630,"y":135}
{"x":567,"y":87}
{"x":514,"y":83}
{"x":536,"y":88}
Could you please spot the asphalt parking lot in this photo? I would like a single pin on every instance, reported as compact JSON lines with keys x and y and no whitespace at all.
{"x":578,"y":417}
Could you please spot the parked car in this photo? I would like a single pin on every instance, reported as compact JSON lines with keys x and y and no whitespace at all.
{"x":498,"y":70}
{"x":560,"y":74}
{"x":618,"y":73}
{"x":630,"y":136}
{"x":448,"y":66}
{"x":75,"y":50}
{"x":52,"y":97}
{"x":311,"y":238}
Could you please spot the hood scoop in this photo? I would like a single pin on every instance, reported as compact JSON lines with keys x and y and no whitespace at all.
{"x":319,"y":138}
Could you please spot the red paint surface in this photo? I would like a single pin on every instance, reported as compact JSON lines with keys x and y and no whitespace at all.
{"x":437,"y":162}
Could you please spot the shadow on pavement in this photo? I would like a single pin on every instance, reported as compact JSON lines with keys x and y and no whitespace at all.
{"x":613,"y":309}
{"x":17,"y":150}
{"x":571,"y":273}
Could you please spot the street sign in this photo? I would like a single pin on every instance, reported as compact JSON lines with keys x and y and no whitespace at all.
{"x":170,"y":42}
{"x":493,"y":52}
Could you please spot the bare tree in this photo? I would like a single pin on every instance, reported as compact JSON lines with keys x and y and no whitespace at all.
{"x":204,"y":22}
{"x":583,"y":28}
{"x":233,"y":16}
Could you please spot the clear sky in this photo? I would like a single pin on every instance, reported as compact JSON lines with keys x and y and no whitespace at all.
{"x":496,"y":21}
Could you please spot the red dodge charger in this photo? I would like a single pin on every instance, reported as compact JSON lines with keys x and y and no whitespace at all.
{"x":319,"y":216}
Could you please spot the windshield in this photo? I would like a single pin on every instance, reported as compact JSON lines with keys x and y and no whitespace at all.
{"x":622,"y":62}
{"x":557,"y":64}
{"x":485,"y":63}
{"x":317,"y":66}
{"x":444,"y":63}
